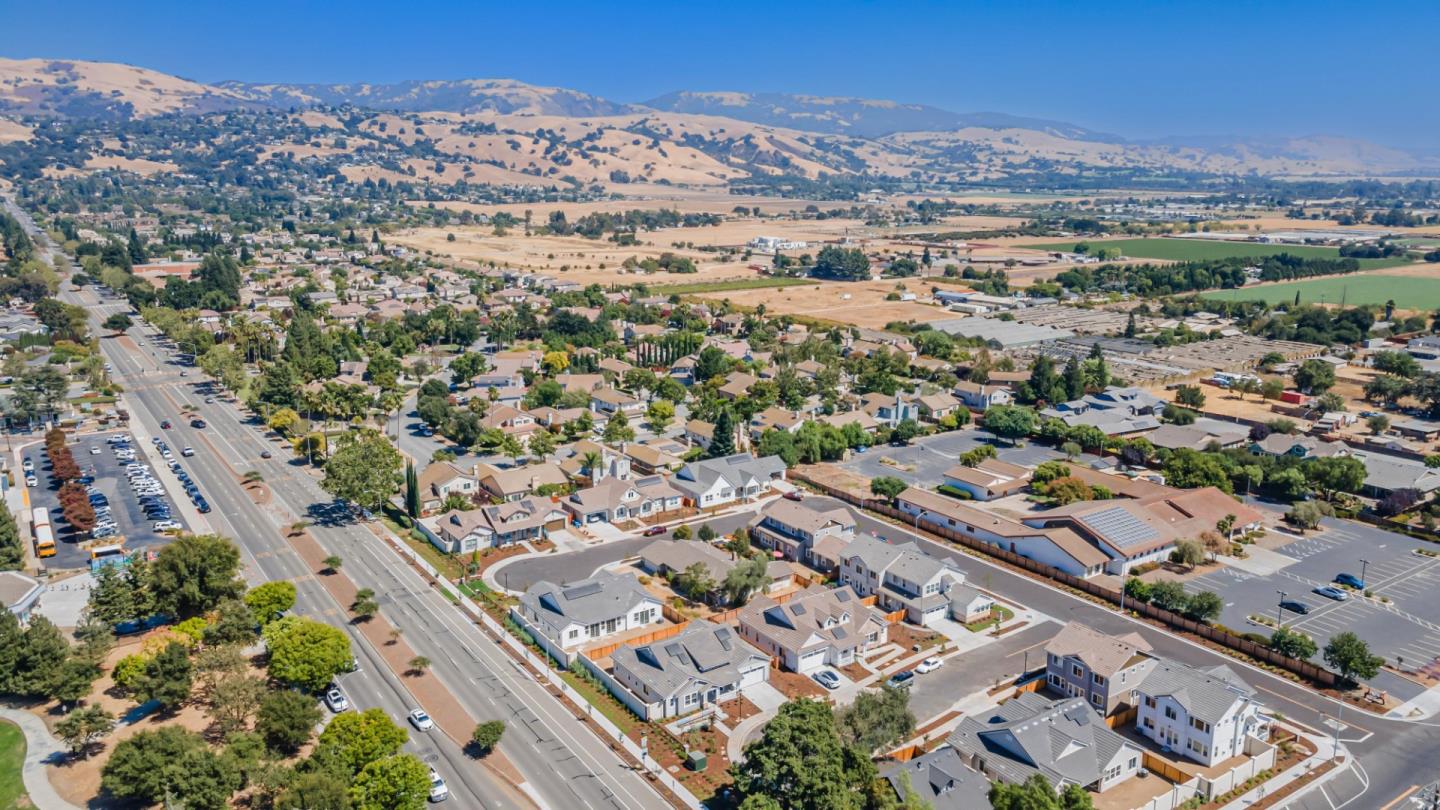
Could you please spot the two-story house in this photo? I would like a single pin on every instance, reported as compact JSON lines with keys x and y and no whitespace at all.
{"x":1102,"y":669}
{"x":616,"y":499}
{"x":703,"y":665}
{"x":815,"y":628}
{"x":900,"y":577}
{"x":801,"y":532}
{"x":1204,"y":714}
{"x":721,"y":481}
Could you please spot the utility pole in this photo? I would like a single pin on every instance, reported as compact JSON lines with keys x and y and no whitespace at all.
{"x":1280,"y":610}
{"x":1364,"y":564}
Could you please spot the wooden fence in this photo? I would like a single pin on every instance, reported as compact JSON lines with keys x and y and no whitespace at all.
{"x":1318,"y":675}
{"x":603,"y":651}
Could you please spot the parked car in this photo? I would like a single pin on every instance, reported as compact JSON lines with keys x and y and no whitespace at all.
{"x":902,"y":680}
{"x":95,"y":450}
{"x":794,"y":495}
{"x":654,"y":530}
{"x":929,"y":665}
{"x":188,"y":452}
{"x":265,"y":454}
{"x":1295,"y":607}
{"x":28,"y":465}
{"x":1332,"y":592}
{"x":827,"y":679}
{"x":336,"y":700}
{"x":164,"y":425}
{"x":31,"y":481}
{"x":420,"y":720}
{"x":197,"y":423}
{"x":166,"y":526}
{"x":1350,"y":580}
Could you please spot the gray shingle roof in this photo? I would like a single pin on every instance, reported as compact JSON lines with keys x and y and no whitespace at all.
{"x":1063,"y":740}
{"x":941,"y":779}
{"x":1206,"y":694}
{"x":603,"y":596}
{"x":703,"y":652}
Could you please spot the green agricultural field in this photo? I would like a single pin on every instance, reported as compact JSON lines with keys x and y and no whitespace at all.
{"x":1181,"y":250}
{"x":1409,"y":292}
{"x":732,"y":285}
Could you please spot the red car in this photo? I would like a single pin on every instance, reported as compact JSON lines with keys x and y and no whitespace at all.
{"x":165,"y":425}
{"x":654,"y":530}
{"x":794,"y":495}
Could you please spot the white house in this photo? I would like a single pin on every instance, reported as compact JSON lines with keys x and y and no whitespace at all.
{"x":564,"y":618}
{"x":1204,"y":714}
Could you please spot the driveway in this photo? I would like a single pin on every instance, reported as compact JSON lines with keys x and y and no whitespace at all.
{"x":978,"y":670}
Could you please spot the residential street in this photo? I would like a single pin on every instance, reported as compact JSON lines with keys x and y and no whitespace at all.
{"x":563,"y":764}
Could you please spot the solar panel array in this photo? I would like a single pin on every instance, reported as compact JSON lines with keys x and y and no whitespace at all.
{"x":1122,"y":528}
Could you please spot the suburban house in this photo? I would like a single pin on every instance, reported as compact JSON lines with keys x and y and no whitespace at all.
{"x":699,"y":433}
{"x":934,"y":407}
{"x":1065,"y":741}
{"x":514,"y":483}
{"x":615,"y":499}
{"x":775,"y":418}
{"x":442,"y":479}
{"x":464,"y":531}
{"x":978,"y":396}
{"x":800,"y":532}
{"x":703,"y":665}
{"x":1104,"y":670}
{"x":891,"y":410}
{"x":511,"y":421}
{"x":941,"y":780}
{"x":612,"y":463}
{"x":650,"y":459}
{"x":1115,"y":411}
{"x":815,"y":628}
{"x":902,"y":577}
{"x":720,"y":481}
{"x":1302,"y":447}
{"x":1204,"y":714}
{"x":1200,"y":435}
{"x":607,"y":401}
{"x":990,"y":479}
{"x":1061,"y":548}
{"x":564,"y":618}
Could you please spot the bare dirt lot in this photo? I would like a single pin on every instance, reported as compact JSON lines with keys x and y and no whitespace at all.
{"x":859,"y":303}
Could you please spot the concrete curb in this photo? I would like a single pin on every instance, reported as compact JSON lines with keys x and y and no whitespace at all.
{"x":40,"y":749}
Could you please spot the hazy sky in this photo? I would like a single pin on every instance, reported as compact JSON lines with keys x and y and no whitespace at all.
{"x":1139,"y":69}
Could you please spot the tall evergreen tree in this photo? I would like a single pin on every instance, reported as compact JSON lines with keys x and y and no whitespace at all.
{"x":1074,"y":379}
{"x":722,"y":443}
{"x":412,"y":490}
{"x":12,"y":548}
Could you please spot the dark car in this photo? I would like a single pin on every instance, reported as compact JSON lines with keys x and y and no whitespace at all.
{"x":165,"y":425}
{"x":1295,"y":607}
{"x":197,"y":423}
{"x":202,"y":506}
{"x":1350,"y":580}
{"x":793,"y":495}
{"x":654,"y":530}
{"x":902,"y":680}
{"x":265,"y":454}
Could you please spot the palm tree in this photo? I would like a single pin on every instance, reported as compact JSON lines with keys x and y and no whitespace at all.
{"x":419,"y":664}
{"x":592,"y":461}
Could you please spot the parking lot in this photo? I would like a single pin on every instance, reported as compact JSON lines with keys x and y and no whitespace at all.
{"x":924,"y":461}
{"x":979,"y":669}
{"x":110,"y":479}
{"x":1405,"y":631}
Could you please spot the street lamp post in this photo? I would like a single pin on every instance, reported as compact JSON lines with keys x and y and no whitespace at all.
{"x":917,"y":519}
{"x":1364,"y":564}
{"x":1280,"y":610}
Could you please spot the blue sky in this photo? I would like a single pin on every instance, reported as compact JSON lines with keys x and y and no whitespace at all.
{"x":1139,"y":69}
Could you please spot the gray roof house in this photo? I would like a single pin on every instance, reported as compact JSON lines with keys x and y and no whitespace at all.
{"x":1207,"y":715}
{"x":703,"y":665}
{"x":901,"y":577}
{"x":800,"y":532}
{"x":1064,"y":741}
{"x":941,"y":780}
{"x":1116,"y":411}
{"x":719,"y":481}
{"x":564,"y":618}
{"x":816,"y":627}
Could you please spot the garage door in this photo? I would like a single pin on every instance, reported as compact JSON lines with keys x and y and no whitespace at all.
{"x":812,"y":659}
{"x":753,"y":676}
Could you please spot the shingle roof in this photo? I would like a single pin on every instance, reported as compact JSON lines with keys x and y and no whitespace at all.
{"x":1206,"y":694}
{"x":941,"y":779}
{"x":603,"y":596}
{"x":703,"y":651}
{"x":1103,"y":654}
{"x":1063,"y":740}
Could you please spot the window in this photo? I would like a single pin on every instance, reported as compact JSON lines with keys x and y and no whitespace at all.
{"x":1098,"y":679}
{"x":1149,"y":702}
{"x":1096,"y":699}
{"x":1150,"y":724}
{"x":1077,"y":671}
{"x":1134,"y":763}
{"x":1199,"y":725}
{"x":574,"y":632}
{"x":1170,"y":713}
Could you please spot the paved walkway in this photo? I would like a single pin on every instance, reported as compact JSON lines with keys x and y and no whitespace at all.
{"x":40,"y":749}
{"x":1324,"y":750}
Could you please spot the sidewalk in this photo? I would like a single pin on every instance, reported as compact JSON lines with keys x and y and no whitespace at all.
{"x":40,"y":749}
{"x":1324,"y":751}
{"x":1421,"y":707}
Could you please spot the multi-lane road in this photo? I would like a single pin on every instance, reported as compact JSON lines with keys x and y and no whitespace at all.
{"x":563,"y":763}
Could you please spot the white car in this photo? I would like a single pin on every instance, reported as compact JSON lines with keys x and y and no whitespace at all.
{"x":188,"y":452}
{"x":335,"y":699}
{"x":28,"y":465}
{"x":31,"y":481}
{"x":929,"y":665}
{"x":439,"y":792}
{"x":420,"y":720}
{"x":95,"y":450}
{"x":167,"y":526}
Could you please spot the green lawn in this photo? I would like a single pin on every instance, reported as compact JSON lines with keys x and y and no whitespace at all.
{"x":1200,"y":249}
{"x":733,"y":285}
{"x":12,"y":758}
{"x":1409,"y":292}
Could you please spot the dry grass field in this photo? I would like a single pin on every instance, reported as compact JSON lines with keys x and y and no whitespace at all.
{"x":857,"y":303}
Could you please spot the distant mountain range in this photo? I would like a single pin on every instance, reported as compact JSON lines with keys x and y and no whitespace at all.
{"x":740,"y":133}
